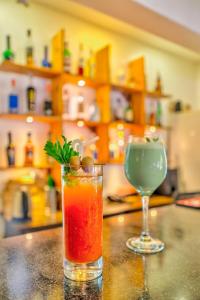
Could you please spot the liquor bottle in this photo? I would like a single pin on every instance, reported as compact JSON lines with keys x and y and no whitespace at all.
{"x":8,"y":54}
{"x":13,"y":98}
{"x":152,"y":115}
{"x":29,"y":151}
{"x":45,"y":61}
{"x":67,"y":58}
{"x":47,"y":108}
{"x":159,"y":114}
{"x":29,"y":49}
{"x":30,"y":97}
{"x":81,"y":61}
{"x":80,"y":107}
{"x":128,"y":114}
{"x":10,"y":151}
{"x":158,"y":87}
{"x":94,"y":152}
{"x":91,"y":64}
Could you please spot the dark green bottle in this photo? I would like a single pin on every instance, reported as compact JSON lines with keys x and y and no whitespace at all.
{"x":8,"y":54}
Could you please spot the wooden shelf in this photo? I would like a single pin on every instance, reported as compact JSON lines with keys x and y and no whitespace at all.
{"x":115,"y":162}
{"x":82,"y":123}
{"x":157,"y":96}
{"x":159,"y":127}
{"x":30,"y":118}
{"x":126,"y":89}
{"x":24,"y":167}
{"x":8,"y":66}
{"x":80,"y":81}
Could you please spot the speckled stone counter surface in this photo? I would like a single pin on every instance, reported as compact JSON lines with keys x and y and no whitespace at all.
{"x":31,"y":265}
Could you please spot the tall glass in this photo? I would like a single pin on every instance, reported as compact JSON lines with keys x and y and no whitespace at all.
{"x":82,"y":222}
{"x":145,"y":168}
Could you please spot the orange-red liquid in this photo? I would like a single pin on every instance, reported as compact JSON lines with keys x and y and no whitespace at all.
{"x":83,"y":222}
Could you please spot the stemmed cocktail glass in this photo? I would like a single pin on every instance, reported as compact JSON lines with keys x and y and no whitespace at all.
{"x":145,"y":168}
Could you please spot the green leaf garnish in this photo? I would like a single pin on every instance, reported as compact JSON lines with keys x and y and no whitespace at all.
{"x":60,"y":152}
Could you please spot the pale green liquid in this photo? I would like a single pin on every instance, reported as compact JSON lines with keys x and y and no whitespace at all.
{"x":145,"y":166}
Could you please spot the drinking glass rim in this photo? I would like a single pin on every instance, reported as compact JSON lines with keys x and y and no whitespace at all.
{"x":134,"y":139}
{"x":85,"y":174}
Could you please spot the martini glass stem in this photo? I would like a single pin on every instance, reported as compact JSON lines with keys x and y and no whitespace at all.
{"x":145,"y":207}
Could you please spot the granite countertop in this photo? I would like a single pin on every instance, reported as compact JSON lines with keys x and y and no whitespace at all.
{"x":31,"y":265}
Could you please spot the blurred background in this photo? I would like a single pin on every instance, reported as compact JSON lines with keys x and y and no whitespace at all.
{"x":99,"y":72}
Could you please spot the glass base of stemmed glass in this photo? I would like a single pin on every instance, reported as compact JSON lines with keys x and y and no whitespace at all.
{"x":83,"y":271}
{"x":145,"y":245}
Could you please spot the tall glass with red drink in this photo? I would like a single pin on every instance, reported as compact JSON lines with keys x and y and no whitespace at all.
{"x":82,"y":222}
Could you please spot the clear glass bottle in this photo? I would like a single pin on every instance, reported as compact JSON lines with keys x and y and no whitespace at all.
{"x":13,"y":98}
{"x":81,"y":60}
{"x":29,"y":151}
{"x":45,"y":61}
{"x":67,"y":58}
{"x":31,"y":96}
{"x":29,"y":48}
{"x":10,"y":151}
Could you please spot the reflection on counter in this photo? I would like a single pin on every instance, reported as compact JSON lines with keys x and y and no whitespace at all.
{"x":83,"y":290}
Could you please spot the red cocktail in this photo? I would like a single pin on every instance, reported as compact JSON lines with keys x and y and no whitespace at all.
{"x":82,"y":223}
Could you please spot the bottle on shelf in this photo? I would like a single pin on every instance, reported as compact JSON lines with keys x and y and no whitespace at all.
{"x":80,"y":107}
{"x":94,"y":112}
{"x":128,"y":114}
{"x":67,"y":58}
{"x":29,"y":151}
{"x":30,"y":97}
{"x":13,"y":98}
{"x":8,"y":54}
{"x":159,"y":114}
{"x":81,"y":60}
{"x":10,"y":151}
{"x":94,"y":152}
{"x":152,"y":115}
{"x":47,"y":108}
{"x":29,"y":48}
{"x":45,"y":61}
{"x":158,"y":87}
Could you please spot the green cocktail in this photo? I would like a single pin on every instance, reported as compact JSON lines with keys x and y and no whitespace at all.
{"x":145,"y":168}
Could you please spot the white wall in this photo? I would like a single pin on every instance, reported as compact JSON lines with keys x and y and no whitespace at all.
{"x":179,"y":74}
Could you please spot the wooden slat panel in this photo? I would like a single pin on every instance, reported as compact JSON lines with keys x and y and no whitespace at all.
{"x":136,"y":74}
{"x":57,"y":45}
{"x":103,"y":100}
{"x":102,"y":70}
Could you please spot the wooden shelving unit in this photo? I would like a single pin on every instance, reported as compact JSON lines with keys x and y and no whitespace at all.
{"x":157,"y":96}
{"x":125,"y":89}
{"x":79,"y":80}
{"x":103,"y":86}
{"x":30,"y":118}
{"x":11,"y":67}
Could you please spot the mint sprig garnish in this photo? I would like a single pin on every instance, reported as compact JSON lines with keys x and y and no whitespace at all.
{"x":60,"y":152}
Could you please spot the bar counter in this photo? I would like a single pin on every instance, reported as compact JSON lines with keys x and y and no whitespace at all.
{"x":31,"y":265}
